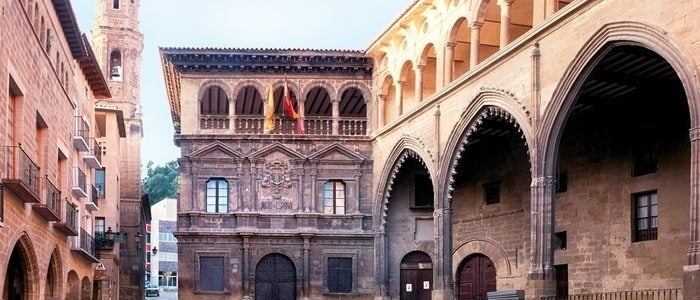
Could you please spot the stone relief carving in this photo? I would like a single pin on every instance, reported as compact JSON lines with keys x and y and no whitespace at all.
{"x":277,"y":178}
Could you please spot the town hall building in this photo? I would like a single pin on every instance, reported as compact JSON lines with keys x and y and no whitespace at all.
{"x":474,"y":149}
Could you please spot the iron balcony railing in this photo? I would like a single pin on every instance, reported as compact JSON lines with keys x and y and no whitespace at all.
{"x":658,"y":294}
{"x":79,"y":183}
{"x":53,"y":197}
{"x":82,"y":129}
{"x":71,"y":216}
{"x":87,"y":242}
{"x":94,"y":195}
{"x":313,"y":125}
{"x":94,"y":156}
{"x":22,"y":174}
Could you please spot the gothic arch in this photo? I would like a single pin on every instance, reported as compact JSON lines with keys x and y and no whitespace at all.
{"x":55,"y":268}
{"x":404,"y":148}
{"x":324,"y":84}
{"x":209,"y":83}
{"x":29,"y":259}
{"x":366,"y":94}
{"x":489,"y":102}
{"x":608,"y":36}
{"x":248,"y":82}
{"x":484,"y":246}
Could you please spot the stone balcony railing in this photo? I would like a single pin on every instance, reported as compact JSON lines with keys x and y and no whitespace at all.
{"x":313,"y":125}
{"x":657,"y":294}
{"x":262,"y":222}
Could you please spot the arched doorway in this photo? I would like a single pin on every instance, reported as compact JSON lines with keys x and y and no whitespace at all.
{"x":16,"y":281}
{"x":275,"y":278}
{"x":476,"y":276}
{"x":73,"y":291}
{"x":416,"y":276}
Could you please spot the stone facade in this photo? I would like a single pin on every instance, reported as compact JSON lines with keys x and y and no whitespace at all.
{"x":50,"y":136}
{"x":542,"y":143}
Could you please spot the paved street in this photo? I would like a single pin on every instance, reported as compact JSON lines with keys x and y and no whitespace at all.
{"x":166,"y":295}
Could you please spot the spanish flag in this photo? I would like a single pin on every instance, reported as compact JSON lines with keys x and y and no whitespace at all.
{"x":289,"y":108}
{"x":270,"y":111}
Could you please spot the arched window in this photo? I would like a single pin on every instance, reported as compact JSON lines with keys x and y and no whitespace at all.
{"x":115,"y":65}
{"x":334,"y":197}
{"x":214,"y":102}
{"x":217,"y":195}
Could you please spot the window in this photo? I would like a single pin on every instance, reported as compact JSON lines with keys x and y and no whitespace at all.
{"x":214,"y":102}
{"x":99,"y":226}
{"x":339,"y":275}
{"x":645,"y":159}
{"x":115,"y":4}
{"x":217,"y":195}
{"x":646,"y":216}
{"x":560,"y":240}
{"x":100,"y":182}
{"x":423,"y":191}
{"x":492,"y":192}
{"x":115,"y":65}
{"x":334,"y":197}
{"x":211,"y":273}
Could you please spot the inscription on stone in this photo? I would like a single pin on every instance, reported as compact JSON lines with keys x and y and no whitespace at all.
{"x":276,"y":205}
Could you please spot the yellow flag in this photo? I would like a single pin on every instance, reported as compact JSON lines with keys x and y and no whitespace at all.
{"x":270,"y":112}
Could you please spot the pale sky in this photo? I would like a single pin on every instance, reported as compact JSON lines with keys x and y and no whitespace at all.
{"x":315,"y":24}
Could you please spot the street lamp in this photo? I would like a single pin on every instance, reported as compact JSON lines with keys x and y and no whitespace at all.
{"x":138,"y":238}
{"x":109,"y":234}
{"x":155,"y":250}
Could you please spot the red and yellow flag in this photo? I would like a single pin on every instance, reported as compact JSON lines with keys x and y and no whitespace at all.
{"x":288,"y":106}
{"x":270,"y":111}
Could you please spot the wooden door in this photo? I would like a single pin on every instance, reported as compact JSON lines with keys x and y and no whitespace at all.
{"x":416,"y":282}
{"x":476,"y":277}
{"x":275,"y":278}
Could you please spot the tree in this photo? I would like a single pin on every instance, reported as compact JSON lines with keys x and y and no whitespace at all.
{"x":161,"y":181}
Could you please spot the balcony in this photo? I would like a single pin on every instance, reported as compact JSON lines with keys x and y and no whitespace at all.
{"x":79,"y":183}
{"x":313,"y":125}
{"x":94,"y":157}
{"x":22,"y":174}
{"x":91,"y":205}
{"x":81,"y":134}
{"x":50,"y":210}
{"x":69,"y":226}
{"x":84,"y":245}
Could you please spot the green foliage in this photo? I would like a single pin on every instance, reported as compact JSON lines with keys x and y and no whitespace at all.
{"x":161,"y":181}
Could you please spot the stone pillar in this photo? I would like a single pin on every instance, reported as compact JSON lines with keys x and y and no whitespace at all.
{"x":232,"y":114}
{"x":419,"y":83}
{"x":541,"y":277}
{"x":505,"y":23}
{"x":474,"y":46}
{"x":398,"y":86}
{"x":380,"y":110}
{"x":358,"y":183}
{"x":301,"y":110}
{"x":306,"y":278}
{"x":313,"y":189}
{"x":381,"y":263}
{"x":691,"y":271}
{"x":335,"y":111}
{"x":449,"y":61}
{"x":246,"y":267}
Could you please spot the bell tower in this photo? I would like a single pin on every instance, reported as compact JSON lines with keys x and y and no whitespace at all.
{"x":118,"y":45}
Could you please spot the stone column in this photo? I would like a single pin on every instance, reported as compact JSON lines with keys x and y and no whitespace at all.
{"x":505,"y":22}
{"x":301,"y":110}
{"x":246,"y":267}
{"x":381,"y":263}
{"x":419,"y":83}
{"x":306,"y":278}
{"x":358,"y":184}
{"x":380,"y":110}
{"x":232,"y":114}
{"x":335,"y":111}
{"x":542,"y":229}
{"x":449,"y":61}
{"x":691,"y":271}
{"x":474,"y":46}
{"x":398,"y":86}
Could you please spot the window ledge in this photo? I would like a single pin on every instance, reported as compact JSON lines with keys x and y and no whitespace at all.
{"x":350,"y":294}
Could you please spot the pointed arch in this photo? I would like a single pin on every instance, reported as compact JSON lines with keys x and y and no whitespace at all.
{"x":488,"y":103}
{"x":54,"y":280}
{"x":23,"y":261}
{"x":611,"y":34}
{"x":406,"y":147}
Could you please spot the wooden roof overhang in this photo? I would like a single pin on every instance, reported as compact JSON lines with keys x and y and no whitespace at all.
{"x":177,"y":61}
{"x":80,"y":49}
